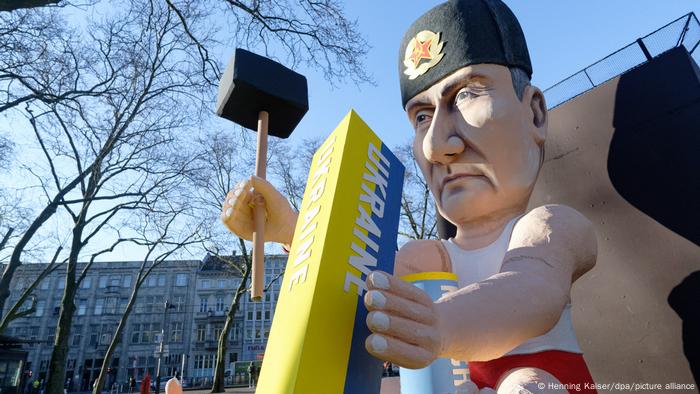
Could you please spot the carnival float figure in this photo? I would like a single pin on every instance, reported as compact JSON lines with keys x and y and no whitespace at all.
{"x":479,"y":133}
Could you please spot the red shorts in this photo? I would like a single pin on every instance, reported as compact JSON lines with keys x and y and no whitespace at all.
{"x":569,"y":368}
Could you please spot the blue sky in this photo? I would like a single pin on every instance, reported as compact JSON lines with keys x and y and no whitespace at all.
{"x":563,"y":37}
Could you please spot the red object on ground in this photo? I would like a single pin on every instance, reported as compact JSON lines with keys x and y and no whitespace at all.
{"x":569,"y":368}
{"x":146,"y":384}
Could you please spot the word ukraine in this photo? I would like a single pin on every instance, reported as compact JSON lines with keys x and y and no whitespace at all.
{"x":347,"y":228}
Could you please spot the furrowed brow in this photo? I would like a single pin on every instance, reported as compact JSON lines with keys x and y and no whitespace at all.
{"x":417,"y":103}
{"x":462,"y":81}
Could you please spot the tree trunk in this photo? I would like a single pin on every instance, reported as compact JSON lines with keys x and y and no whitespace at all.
{"x":7,"y":236}
{"x":116,"y":339}
{"x":9,"y":5}
{"x":15,"y":261}
{"x":219,"y":370}
{"x":57,"y":366}
{"x":45,"y":215}
{"x":14,"y":312}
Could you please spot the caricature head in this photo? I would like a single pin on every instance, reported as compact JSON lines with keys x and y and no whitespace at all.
{"x":479,"y":125}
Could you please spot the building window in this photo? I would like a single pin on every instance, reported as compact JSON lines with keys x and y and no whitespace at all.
{"x":152,"y":304}
{"x":152,"y":280}
{"x":219,"y":304}
{"x":203,"y":304}
{"x":99,"y":305}
{"x":76,"y":339}
{"x":34,"y":333}
{"x":115,"y":280}
{"x":149,"y":332}
{"x":111,"y":305}
{"x":267,"y":315}
{"x":45,"y":283}
{"x":86,"y":283}
{"x":127,"y":281}
{"x":61,"y":284}
{"x":176,"y":332}
{"x":94,"y":334}
{"x":82,"y":307}
{"x":161,"y":280}
{"x":250,"y":315}
{"x":135,"y":333}
{"x":40,"y":306}
{"x":257,"y":333}
{"x":179,"y":304}
{"x":206,"y":284}
{"x":102,"y":282}
{"x":258,"y":315}
{"x":217,"y":331}
{"x":235,"y":333}
{"x":181,"y":280}
{"x":201,"y":332}
{"x":222,"y":283}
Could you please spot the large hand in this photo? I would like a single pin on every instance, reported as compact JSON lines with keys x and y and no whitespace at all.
{"x":237,"y":211}
{"x":403,"y":320}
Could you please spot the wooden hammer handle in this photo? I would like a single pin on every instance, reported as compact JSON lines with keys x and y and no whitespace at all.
{"x":258,"y":274}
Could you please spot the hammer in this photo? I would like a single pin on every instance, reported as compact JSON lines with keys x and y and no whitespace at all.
{"x":257,"y":92}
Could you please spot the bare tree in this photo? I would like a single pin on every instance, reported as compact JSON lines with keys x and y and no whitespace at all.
{"x":312,"y":33}
{"x":42,"y":62}
{"x":146,"y":161}
{"x":226,"y":159}
{"x":162,"y":239}
{"x":18,"y":310}
{"x":290,"y":167}
{"x":11,"y":5}
{"x":109,"y":105}
{"x":417,"y":208}
{"x":49,"y":64}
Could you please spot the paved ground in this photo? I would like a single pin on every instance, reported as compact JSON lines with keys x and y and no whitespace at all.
{"x":194,"y":391}
{"x":236,"y":390}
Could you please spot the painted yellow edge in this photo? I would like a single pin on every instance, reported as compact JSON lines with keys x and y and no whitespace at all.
{"x":429,"y":276}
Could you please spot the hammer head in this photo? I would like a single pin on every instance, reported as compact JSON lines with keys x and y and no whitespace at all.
{"x":253,"y":83}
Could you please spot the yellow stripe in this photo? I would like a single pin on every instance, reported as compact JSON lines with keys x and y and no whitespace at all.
{"x":429,"y":276}
{"x":311,"y":334}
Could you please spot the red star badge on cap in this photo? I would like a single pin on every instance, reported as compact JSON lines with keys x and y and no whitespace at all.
{"x":421,"y":51}
{"x":425,"y":45}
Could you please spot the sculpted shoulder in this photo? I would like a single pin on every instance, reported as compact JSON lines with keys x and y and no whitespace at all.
{"x":561,"y":234}
{"x":421,"y":256}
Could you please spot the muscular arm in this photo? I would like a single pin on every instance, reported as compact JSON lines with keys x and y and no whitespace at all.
{"x":550,"y":248}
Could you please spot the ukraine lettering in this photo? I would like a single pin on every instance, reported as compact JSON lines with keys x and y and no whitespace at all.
{"x":309,"y":222}
{"x":373,"y":195}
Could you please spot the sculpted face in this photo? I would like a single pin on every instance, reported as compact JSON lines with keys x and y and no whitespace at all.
{"x":479,"y":146}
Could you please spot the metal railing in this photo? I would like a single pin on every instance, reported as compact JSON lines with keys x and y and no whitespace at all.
{"x":683,"y":31}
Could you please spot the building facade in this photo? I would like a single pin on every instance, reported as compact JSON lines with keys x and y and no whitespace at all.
{"x":198,"y":293}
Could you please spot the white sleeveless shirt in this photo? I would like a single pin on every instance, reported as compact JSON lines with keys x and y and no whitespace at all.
{"x":473,"y":266}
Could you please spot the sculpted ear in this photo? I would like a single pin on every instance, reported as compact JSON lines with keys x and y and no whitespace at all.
{"x":534,"y":96}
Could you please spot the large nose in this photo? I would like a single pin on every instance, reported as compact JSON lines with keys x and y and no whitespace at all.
{"x":442,"y":143}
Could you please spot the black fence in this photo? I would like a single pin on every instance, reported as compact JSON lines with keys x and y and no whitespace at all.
{"x":683,"y":31}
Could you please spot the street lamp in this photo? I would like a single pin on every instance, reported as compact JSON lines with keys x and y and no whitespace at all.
{"x":168,"y":305}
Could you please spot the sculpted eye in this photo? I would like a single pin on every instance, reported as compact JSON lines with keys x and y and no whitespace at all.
{"x":464,"y":94}
{"x":422,"y":118}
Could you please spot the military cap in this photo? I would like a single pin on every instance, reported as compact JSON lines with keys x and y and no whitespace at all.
{"x":456,"y":34}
